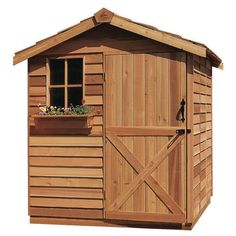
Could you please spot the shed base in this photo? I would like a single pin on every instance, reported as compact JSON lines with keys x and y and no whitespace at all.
{"x":106,"y":223}
{"x":114,"y":223}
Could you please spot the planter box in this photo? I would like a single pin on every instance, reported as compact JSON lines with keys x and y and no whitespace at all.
{"x":60,"y":124}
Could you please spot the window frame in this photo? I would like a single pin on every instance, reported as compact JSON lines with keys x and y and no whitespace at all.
{"x":65,"y":85}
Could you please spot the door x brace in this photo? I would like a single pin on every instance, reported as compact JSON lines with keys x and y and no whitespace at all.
{"x":144,"y":174}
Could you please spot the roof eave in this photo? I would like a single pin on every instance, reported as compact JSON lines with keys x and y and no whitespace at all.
{"x":106,"y":16}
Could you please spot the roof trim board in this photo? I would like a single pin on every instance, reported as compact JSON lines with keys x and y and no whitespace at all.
{"x":106,"y":16}
{"x":159,"y":36}
{"x":54,"y":40}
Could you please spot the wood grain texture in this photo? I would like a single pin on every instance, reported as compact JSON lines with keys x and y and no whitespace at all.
{"x":108,"y":39}
{"x":93,"y":69}
{"x":103,"y":223}
{"x":93,"y":58}
{"x":65,"y":182}
{"x":93,"y":90}
{"x":37,"y":91}
{"x":37,"y":66}
{"x":65,"y":172}
{"x":150,"y":167}
{"x":94,"y":79}
{"x":66,"y":162}
{"x":54,"y":40}
{"x":159,"y":36}
{"x":72,"y":141}
{"x":139,"y":120}
{"x":66,"y":213}
{"x":151,"y":217}
{"x":63,"y":202}
{"x":66,"y":192}
{"x":138,"y":167}
{"x":66,"y":151}
{"x":202,"y":136}
{"x":152,"y":125}
{"x":39,"y":80}
{"x":142,"y":131}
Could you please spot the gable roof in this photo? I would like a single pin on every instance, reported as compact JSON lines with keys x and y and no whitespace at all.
{"x":106,"y":16}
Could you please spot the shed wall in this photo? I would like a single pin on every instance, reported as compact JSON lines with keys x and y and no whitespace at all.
{"x":66,"y":170}
{"x":202,"y":135}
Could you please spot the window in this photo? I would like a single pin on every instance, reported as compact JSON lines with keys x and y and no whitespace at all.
{"x":65,"y":82}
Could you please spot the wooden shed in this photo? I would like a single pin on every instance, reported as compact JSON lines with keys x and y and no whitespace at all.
{"x":146,"y":157}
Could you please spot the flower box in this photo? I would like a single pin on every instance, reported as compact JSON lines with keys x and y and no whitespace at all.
{"x":63,"y":121}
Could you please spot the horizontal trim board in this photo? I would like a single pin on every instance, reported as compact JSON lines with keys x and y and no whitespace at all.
{"x":93,"y":58}
{"x":67,"y":213}
{"x":200,"y":118}
{"x":93,"y":100}
{"x":202,"y":108}
{"x":66,"y":182}
{"x":35,"y":101}
{"x":138,"y":216}
{"x":66,"y":151}
{"x":72,"y":141}
{"x":66,"y":161}
{"x":94,"y":79}
{"x":98,"y":120}
{"x":37,"y":81}
{"x":66,"y":192}
{"x":142,"y":131}
{"x":37,"y":91}
{"x":202,"y":127}
{"x":96,"y":131}
{"x":202,"y":74}
{"x":93,"y":69}
{"x":66,"y":172}
{"x":71,"y":203}
{"x":201,"y":89}
{"x":93,"y":90}
{"x":202,"y":99}
{"x":108,"y":223}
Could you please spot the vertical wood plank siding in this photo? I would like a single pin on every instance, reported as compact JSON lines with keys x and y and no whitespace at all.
{"x":144,"y":90}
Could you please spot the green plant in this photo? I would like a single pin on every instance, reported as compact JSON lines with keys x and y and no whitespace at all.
{"x":77,"y":110}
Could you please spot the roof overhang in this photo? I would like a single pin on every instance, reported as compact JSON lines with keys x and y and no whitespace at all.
{"x":106,"y":16}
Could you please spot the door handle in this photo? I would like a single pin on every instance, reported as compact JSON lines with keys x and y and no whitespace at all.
{"x":180,"y":113}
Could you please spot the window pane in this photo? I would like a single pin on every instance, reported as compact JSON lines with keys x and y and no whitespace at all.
{"x":57,"y":72}
{"x":75,"y":71}
{"x":75,"y":96}
{"x":57,"y":97}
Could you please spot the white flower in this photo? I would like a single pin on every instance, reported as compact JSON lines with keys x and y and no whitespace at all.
{"x":43,"y":109}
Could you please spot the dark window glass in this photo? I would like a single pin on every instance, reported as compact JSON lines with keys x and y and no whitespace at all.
{"x":57,"y":72}
{"x":57,"y":97}
{"x":75,"y":71}
{"x":75,"y":96}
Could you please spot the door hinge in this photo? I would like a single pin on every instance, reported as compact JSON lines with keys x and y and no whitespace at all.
{"x":104,"y":76}
{"x":104,"y":194}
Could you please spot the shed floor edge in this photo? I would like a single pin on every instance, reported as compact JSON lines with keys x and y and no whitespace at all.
{"x":103,"y":223}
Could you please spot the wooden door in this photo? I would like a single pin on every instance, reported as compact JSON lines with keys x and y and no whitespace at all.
{"x":145,"y":147}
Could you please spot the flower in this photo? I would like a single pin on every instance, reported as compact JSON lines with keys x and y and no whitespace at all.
{"x":43,"y":109}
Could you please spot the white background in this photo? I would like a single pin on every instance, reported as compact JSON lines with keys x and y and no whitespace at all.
{"x":24,"y":22}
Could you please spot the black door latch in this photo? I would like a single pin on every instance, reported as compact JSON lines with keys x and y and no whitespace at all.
{"x":180,"y":113}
